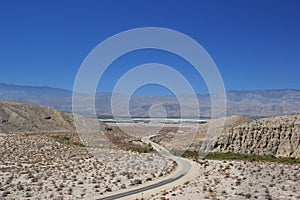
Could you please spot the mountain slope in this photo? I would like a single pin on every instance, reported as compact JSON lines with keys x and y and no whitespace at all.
{"x":250,"y":103}
{"x":25,"y":118}
{"x":17,"y":92}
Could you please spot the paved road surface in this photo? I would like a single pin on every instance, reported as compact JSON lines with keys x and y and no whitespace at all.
{"x":184,"y":167}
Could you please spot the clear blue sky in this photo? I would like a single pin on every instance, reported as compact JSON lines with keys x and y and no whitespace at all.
{"x":255,"y":44}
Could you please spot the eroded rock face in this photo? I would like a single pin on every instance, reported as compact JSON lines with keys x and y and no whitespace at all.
{"x":278,"y":136}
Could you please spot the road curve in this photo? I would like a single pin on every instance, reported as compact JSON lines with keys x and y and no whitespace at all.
{"x":183,"y":168}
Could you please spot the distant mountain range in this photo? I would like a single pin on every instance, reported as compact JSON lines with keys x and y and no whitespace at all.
{"x":251,"y":103}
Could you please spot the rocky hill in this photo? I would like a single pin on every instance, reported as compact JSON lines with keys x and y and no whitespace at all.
{"x":172,"y":137}
{"x":278,"y":136}
{"x":16,"y":117}
{"x":20,"y":117}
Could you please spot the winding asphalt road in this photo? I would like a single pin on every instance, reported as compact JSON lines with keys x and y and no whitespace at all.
{"x":184,"y":166}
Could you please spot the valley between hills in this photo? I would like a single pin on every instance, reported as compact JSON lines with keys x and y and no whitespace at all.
{"x":44,"y":157}
{"x":150,"y":100}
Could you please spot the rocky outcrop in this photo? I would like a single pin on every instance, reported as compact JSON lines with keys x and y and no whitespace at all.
{"x":278,"y":136}
{"x":209,"y":132}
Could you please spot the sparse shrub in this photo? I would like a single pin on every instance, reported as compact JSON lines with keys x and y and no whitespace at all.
{"x":5,"y":194}
{"x":236,"y":156}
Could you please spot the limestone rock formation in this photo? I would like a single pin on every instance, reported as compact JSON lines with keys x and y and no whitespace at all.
{"x":211,"y":131}
{"x":278,"y":136}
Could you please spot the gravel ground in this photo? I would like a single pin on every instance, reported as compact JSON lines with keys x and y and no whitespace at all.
{"x":239,"y":180}
{"x":37,"y":166}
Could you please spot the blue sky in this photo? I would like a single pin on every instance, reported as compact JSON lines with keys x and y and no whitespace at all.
{"x":255,"y":44}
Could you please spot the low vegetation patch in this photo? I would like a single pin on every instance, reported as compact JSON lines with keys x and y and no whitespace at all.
{"x":138,"y":149}
{"x":124,"y":141}
{"x":65,"y":139}
{"x":60,"y":138}
{"x":236,"y":156}
{"x":192,"y":154}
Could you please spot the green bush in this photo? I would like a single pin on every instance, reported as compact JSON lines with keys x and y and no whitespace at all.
{"x":237,"y":156}
{"x":185,"y":153}
{"x":139,"y":149}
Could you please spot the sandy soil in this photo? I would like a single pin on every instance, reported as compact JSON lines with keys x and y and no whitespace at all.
{"x":37,"y":166}
{"x":232,"y":179}
{"x":239,"y":180}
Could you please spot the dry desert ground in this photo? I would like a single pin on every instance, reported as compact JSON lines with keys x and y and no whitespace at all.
{"x":58,"y":166}
{"x":38,"y":166}
{"x":233,"y":180}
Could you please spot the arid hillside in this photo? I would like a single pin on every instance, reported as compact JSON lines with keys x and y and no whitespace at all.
{"x":26,"y":118}
{"x":172,"y":137}
{"x":278,"y":136}
{"x":44,"y":157}
{"x":16,"y":117}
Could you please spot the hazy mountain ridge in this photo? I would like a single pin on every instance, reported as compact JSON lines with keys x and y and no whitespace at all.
{"x":251,"y":103}
{"x":25,"y":92}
